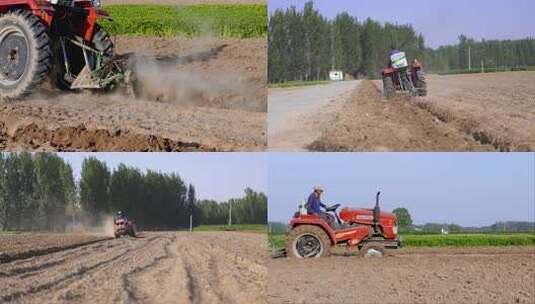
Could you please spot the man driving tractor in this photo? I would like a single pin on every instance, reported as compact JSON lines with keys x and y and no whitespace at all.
{"x":314,"y":206}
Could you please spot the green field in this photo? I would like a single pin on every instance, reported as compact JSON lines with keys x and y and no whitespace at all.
{"x":454,"y":240}
{"x":298,"y":83}
{"x":489,"y":70}
{"x":219,"y":20}
{"x":255,"y":228}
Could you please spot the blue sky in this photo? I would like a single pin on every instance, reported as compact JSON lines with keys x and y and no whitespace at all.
{"x":464,"y":188}
{"x":218,"y":176}
{"x":440,"y":21}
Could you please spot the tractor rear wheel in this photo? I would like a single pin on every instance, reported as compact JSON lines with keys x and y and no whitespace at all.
{"x":372,"y":250}
{"x":388,"y":87}
{"x":308,"y":241}
{"x":421,"y":83}
{"x":101,"y":42}
{"x":25,"y":54}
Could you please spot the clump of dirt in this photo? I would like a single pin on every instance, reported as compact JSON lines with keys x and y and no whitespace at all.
{"x":372,"y":123}
{"x":37,"y":136}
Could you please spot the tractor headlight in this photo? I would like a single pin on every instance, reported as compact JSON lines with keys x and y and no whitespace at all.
{"x":395,"y":229}
{"x":97,"y":3}
{"x":53,"y":1}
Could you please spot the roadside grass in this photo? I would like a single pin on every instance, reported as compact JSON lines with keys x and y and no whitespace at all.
{"x":9,"y":232}
{"x":452,"y":240}
{"x":244,"y":227}
{"x":219,"y":20}
{"x":489,"y":70}
{"x":297,"y":83}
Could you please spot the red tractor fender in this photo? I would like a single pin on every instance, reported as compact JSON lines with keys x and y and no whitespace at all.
{"x":316,"y":221}
{"x":93,"y":15}
{"x":388,"y":71}
{"x":42,"y":9}
{"x":353,"y":235}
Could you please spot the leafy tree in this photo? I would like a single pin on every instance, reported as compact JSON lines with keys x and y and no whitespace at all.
{"x":404,"y":218}
{"x":94,"y":184}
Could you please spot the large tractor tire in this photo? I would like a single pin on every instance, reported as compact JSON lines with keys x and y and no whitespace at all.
{"x":101,"y":42}
{"x":308,"y":241}
{"x":421,"y":84}
{"x":25,"y":54}
{"x":388,"y":87}
{"x":372,"y":250}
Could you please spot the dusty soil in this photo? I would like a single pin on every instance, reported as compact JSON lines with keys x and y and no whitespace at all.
{"x":461,"y":113}
{"x":369,"y":123}
{"x":204,"y":94}
{"x":19,"y":246}
{"x":156,"y":267}
{"x":446,"y":275}
{"x":184,"y":2}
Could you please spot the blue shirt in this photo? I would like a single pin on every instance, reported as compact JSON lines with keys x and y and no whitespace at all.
{"x":313,"y":204}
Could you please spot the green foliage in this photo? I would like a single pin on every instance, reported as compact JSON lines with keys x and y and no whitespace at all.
{"x":224,"y":20}
{"x":303,"y":45}
{"x":94,"y":183}
{"x":239,"y":227}
{"x":463,"y":240}
{"x":404,"y":217}
{"x":277,"y":240}
{"x":33,"y":192}
{"x":298,"y":83}
{"x":251,"y":209}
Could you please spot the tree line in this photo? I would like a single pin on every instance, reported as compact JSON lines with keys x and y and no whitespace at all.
{"x":304,"y":45}
{"x":39,"y":192}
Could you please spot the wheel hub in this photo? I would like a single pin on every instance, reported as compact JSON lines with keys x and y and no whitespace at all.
{"x":308,"y":246}
{"x":13,"y":56}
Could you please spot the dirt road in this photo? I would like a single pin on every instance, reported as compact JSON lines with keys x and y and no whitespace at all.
{"x":203,"y":94}
{"x":449,"y":275}
{"x":157,"y":267}
{"x":297,"y":115}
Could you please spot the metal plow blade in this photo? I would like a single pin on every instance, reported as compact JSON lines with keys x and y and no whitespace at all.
{"x":117,"y":72}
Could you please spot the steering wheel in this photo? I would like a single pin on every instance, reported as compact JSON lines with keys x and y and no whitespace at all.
{"x":332,"y":208}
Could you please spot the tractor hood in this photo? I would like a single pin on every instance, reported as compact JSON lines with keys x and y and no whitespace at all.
{"x":365,"y":216}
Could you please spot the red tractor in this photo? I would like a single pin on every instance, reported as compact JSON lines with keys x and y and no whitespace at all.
{"x":57,"y":38}
{"x":400,"y":76}
{"x":122,"y":226}
{"x":368,"y":230}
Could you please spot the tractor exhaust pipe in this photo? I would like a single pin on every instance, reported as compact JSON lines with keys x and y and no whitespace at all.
{"x":376,"y":213}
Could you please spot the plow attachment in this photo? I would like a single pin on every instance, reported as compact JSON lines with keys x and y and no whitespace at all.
{"x":116,"y":73}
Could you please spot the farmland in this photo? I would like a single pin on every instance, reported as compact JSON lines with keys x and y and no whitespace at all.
{"x":200,"y":78}
{"x":155,"y":267}
{"x":455,"y":268}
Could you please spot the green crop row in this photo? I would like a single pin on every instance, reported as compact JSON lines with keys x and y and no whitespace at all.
{"x":455,"y":240}
{"x":219,"y":20}
{"x":251,"y":227}
{"x":298,"y":83}
{"x":462,"y":240}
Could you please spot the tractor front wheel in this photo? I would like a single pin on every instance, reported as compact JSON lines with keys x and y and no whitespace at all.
{"x":25,"y":54}
{"x":307,"y":241}
{"x":388,"y":87}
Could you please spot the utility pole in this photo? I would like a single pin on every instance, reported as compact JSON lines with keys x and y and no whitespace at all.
{"x":190,"y":222}
{"x":229,"y":212}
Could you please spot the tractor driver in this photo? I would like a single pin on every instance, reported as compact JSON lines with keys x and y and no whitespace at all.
{"x":120,"y":216}
{"x":314,"y":206}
